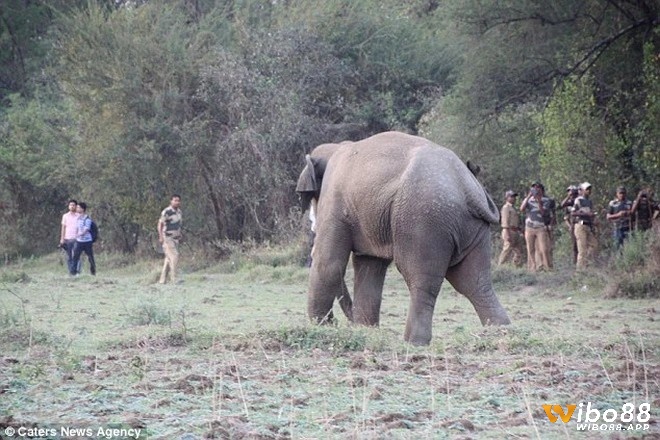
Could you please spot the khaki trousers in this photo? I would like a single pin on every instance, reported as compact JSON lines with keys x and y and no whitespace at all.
{"x":586,"y":245}
{"x":511,"y":246}
{"x":171,"y":249}
{"x":550,"y":251}
{"x":538,"y":249}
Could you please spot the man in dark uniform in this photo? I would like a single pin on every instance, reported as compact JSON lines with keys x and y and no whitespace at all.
{"x":619,"y":212}
{"x":567,"y":206}
{"x":550,"y":220}
{"x":643,"y":208}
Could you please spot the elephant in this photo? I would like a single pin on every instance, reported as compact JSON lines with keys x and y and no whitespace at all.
{"x":395,"y":197}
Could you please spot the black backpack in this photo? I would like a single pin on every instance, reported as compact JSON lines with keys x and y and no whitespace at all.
{"x":94,"y":230}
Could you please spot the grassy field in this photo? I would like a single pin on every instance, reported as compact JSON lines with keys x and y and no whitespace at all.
{"x":229,"y":353}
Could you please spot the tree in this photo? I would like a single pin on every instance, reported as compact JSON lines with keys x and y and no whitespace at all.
{"x":259,"y":110}
{"x":401,"y":63}
{"x":167,"y":106}
{"x":517,"y":56}
{"x":132,"y":73}
{"x":36,"y":129}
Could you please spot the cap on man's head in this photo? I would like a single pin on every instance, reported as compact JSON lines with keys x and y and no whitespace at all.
{"x":511,"y":193}
{"x":585,"y":185}
{"x":621,"y":189}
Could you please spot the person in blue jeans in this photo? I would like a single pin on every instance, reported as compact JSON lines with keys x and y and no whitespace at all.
{"x":619,"y":212}
{"x":84,"y":241}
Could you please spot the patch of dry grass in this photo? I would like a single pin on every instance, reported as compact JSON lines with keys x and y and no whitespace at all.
{"x":236,"y":358}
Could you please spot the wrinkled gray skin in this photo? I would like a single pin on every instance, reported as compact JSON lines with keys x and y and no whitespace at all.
{"x":396,"y":197}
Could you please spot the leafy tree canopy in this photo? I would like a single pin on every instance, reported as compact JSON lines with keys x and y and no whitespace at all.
{"x":121,"y":103}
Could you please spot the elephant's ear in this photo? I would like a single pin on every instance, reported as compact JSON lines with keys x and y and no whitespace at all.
{"x":307,"y":186}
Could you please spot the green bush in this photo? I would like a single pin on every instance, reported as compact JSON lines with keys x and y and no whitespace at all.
{"x":324,"y":337}
{"x":634,"y":254}
{"x":14,"y":277}
{"x":9,"y":319}
{"x":149,"y":314}
{"x":510,"y":276}
{"x":635,"y":270}
{"x":635,"y":286}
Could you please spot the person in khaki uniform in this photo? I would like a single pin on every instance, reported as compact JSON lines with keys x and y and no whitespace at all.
{"x":536,"y":231}
{"x":169,"y":234}
{"x":550,"y":221}
{"x":511,"y":239}
{"x":585,"y":234}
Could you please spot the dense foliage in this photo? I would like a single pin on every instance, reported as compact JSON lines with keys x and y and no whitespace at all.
{"x":121,"y":103}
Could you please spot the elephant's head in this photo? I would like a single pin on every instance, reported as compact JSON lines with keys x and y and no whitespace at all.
{"x":311,"y":177}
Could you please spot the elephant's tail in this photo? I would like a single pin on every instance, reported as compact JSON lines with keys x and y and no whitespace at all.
{"x":482,"y":206}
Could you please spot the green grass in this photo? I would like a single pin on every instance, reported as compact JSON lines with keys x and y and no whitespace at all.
{"x":229,"y":353}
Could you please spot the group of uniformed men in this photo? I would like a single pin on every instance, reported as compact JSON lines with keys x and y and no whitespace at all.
{"x":580,"y":219}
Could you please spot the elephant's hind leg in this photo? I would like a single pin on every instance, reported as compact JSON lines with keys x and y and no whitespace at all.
{"x":424,"y":276}
{"x":368,"y":291}
{"x":422,"y":260}
{"x":471,"y":277}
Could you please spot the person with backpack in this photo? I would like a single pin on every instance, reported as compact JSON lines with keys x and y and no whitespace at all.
{"x":84,"y":240}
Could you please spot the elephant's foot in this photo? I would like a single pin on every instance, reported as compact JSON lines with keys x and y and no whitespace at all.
{"x":418,"y":341}
{"x":418,"y":331}
{"x":498,"y":317}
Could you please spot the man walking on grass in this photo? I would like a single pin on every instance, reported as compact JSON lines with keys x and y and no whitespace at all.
{"x":169,"y":235}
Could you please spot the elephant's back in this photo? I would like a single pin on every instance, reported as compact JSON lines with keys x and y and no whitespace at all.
{"x":394,"y":183}
{"x":442,"y":203}
{"x":453,"y":181}
{"x":391,"y":166}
